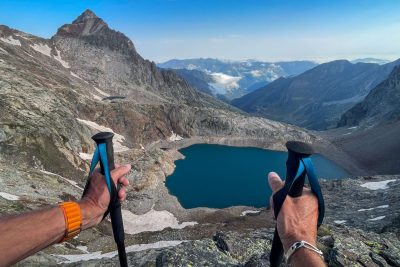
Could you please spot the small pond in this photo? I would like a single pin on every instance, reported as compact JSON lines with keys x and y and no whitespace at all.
{"x":218,"y":176}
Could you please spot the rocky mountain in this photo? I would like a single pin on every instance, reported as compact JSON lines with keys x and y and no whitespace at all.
{"x":380,"y":106}
{"x":233,"y":79}
{"x":197,"y":79}
{"x":317,"y":98}
{"x":55,"y":93}
{"x":369,"y":132}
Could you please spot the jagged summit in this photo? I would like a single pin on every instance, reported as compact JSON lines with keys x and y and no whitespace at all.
{"x":88,"y":14}
{"x":84,"y":25}
{"x":94,"y":30}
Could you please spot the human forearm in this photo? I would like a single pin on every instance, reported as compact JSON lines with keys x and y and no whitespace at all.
{"x":29,"y":233}
{"x":26,"y":234}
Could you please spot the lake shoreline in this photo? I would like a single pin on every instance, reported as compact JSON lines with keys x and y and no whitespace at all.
{"x":321,"y":146}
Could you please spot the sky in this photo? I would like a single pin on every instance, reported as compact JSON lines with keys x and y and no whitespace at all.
{"x":269,"y":30}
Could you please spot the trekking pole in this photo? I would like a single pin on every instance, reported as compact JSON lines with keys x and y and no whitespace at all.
{"x":298,"y":165}
{"x":105,"y":155}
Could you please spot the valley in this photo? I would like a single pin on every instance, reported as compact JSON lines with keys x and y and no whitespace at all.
{"x":56,"y":93}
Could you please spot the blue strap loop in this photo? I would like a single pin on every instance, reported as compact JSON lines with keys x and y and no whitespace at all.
{"x":100,"y":154}
{"x":315,"y":187}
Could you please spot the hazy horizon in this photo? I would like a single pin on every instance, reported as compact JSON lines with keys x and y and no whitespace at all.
{"x":269,"y":31}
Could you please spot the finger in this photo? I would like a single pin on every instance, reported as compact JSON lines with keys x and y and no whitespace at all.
{"x":123,"y":181}
{"x":117,"y":165}
{"x":119,"y":172}
{"x":274,"y":182}
{"x":122,"y":194}
{"x":97,"y":170}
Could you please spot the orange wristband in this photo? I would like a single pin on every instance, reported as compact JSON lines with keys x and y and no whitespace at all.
{"x":73,"y":219}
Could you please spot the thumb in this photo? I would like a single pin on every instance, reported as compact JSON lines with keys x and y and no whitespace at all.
{"x":274,"y":182}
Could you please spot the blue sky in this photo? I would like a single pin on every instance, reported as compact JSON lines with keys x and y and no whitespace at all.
{"x":230,"y":29}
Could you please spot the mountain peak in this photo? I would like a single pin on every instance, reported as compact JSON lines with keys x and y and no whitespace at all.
{"x":88,"y":14}
{"x":89,"y":27}
{"x":86,"y":24}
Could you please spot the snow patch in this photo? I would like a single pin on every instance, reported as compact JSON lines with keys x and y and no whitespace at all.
{"x":59,"y":59}
{"x":101,"y":92}
{"x":75,"y":75}
{"x":152,"y":221}
{"x":65,"y":179}
{"x":379,"y":207}
{"x":377,"y":185}
{"x":3,"y":51}
{"x":96,"y":97}
{"x":245,"y":212}
{"x":9,"y":196}
{"x":117,"y":140}
{"x":256,"y":73}
{"x":83,"y":248}
{"x":376,"y":218}
{"x":10,"y":40}
{"x":85,"y":156}
{"x":191,"y":67}
{"x":133,"y":248}
{"x":175,"y":137}
{"x":340,"y":221}
{"x":42,"y":48}
{"x":23,"y":36}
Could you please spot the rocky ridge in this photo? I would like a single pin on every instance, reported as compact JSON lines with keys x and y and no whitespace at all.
{"x":374,"y":121}
{"x":56,"y":93}
{"x":318,"y":97}
{"x":380,"y":106}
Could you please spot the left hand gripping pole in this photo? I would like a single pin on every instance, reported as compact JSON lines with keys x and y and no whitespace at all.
{"x":298,"y":166}
{"x":104,"y":154}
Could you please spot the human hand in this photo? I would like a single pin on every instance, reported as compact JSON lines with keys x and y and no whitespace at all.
{"x":95,"y":202}
{"x":297,"y":219}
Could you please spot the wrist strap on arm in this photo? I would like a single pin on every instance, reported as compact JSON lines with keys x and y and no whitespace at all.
{"x":73,"y":219}
{"x":301,"y":244}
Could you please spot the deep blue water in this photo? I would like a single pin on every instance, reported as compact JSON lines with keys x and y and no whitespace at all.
{"x":217,"y":176}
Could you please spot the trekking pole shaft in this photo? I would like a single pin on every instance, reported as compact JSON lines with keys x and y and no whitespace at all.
{"x":115,"y":205}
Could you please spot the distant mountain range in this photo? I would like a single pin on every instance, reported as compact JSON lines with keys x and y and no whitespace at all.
{"x":371,"y":60}
{"x":232,"y":79}
{"x":317,"y":98}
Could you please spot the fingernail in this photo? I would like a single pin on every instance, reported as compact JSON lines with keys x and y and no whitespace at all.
{"x":272,"y":174}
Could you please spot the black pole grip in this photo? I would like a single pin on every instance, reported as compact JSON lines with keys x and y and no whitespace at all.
{"x":106,"y":137}
{"x":292,"y":165}
{"x":296,"y":151}
{"x":115,"y":205}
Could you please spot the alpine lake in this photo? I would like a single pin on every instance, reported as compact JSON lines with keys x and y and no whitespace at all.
{"x":218,"y":176}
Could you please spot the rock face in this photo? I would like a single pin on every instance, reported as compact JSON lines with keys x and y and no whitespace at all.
{"x":373,"y":128}
{"x":91,"y":72}
{"x":95,"y":31}
{"x":317,"y":98}
{"x":380,"y":106}
{"x":56,"y":93}
{"x":197,"y":79}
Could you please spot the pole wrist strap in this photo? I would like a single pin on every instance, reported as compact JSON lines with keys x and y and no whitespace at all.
{"x":301,"y":244}
{"x":73,"y":219}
